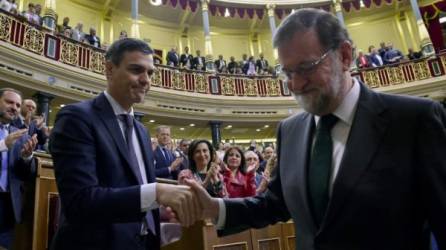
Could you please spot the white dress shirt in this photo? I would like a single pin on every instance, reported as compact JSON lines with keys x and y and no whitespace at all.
{"x":148,"y":190}
{"x":339,"y":134}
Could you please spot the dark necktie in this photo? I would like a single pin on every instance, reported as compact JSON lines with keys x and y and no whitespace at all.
{"x":4,"y":163}
{"x":129,"y":125}
{"x":320,"y":167}
{"x":166,"y":155}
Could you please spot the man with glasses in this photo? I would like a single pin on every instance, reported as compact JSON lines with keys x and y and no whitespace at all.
{"x":358,"y":169}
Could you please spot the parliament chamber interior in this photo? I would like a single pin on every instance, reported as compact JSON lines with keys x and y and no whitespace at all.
{"x":218,"y":78}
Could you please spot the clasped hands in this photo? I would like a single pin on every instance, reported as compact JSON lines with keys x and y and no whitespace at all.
{"x":189,"y":202}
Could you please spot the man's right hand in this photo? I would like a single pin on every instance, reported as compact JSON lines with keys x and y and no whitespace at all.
{"x":175,"y":164}
{"x":14,"y":136}
{"x":209,"y":205}
{"x":182,"y":200}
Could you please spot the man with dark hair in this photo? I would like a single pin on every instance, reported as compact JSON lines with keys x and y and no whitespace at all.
{"x":358,"y":169}
{"x":103,"y":163}
{"x":16,"y":164}
{"x":186,"y":59}
{"x":199,"y":62}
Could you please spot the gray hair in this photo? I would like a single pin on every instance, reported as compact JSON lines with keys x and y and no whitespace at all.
{"x":329,"y":30}
{"x":159,"y":128}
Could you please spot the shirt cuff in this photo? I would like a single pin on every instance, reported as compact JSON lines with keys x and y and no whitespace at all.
{"x":148,"y":197}
{"x":221,"y":214}
{"x":3,"y":146}
{"x":28,"y":159}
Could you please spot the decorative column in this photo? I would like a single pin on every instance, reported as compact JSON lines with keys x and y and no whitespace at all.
{"x":207,"y":35}
{"x":426,"y":44}
{"x":134,"y":30}
{"x":215,"y":132}
{"x":338,"y":10}
{"x":43,"y":104}
{"x":271,"y":18}
{"x":138,"y":115}
{"x":49,"y":16}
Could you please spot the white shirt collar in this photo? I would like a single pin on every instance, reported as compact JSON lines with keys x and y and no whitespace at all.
{"x":117,"y":108}
{"x":346,"y":110}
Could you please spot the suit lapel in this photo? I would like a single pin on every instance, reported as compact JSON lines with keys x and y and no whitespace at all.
{"x":108,"y":117}
{"x":366,"y":133}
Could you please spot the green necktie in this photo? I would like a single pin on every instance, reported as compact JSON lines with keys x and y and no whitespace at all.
{"x":320,"y":167}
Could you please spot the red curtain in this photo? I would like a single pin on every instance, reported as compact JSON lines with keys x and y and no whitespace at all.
{"x":431,"y":17}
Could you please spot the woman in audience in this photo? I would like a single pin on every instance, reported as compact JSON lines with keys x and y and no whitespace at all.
{"x":78,"y":33}
{"x":203,"y":169}
{"x":239,"y":178}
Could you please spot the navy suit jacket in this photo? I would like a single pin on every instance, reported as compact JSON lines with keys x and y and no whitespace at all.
{"x":391,"y":180}
{"x":172,"y":57}
{"x":18,"y":172}
{"x":32,"y":129}
{"x":99,"y":187}
{"x":162,"y":164}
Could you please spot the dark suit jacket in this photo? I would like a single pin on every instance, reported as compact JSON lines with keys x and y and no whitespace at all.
{"x":162,"y":164}
{"x":184,"y":58}
{"x":259,"y":65}
{"x":32,"y":129}
{"x":392,"y":179}
{"x":18,"y":172}
{"x":91,"y":40}
{"x":99,"y":187}
{"x":172,"y":57}
{"x":195,"y":63}
{"x":217,"y":64}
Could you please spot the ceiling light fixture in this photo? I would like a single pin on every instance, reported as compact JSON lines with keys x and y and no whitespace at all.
{"x":152,"y":121}
{"x":181,"y":129}
{"x":192,"y":125}
{"x":156,"y":2}
{"x":266,"y":126}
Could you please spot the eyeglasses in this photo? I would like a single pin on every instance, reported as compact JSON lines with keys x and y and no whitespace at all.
{"x":306,"y":68}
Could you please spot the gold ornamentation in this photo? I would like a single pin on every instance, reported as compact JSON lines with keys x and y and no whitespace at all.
{"x":270,"y":7}
{"x":421,"y":70}
{"x":371,"y":77}
{"x":227,"y":84}
{"x":69,"y":52}
{"x":178,"y":81}
{"x":97,"y":62}
{"x":443,"y":60}
{"x":250,"y":87}
{"x":156,"y":78}
{"x":5,"y":27}
{"x":272,"y":87}
{"x":33,"y":40}
{"x":396,"y":75}
{"x":201,"y":84}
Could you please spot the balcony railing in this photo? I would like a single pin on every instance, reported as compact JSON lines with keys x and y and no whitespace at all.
{"x":18,"y":32}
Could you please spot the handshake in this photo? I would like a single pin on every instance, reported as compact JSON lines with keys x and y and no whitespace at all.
{"x":189,"y":203}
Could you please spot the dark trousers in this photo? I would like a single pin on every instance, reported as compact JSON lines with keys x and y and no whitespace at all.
{"x":7,"y":220}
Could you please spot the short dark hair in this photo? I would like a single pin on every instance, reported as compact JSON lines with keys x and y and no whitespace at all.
{"x":329,"y":30}
{"x":242,"y":167}
{"x":116,"y":51}
{"x":3,"y":90}
{"x":190,"y":154}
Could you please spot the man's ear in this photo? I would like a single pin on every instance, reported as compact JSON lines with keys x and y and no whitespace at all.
{"x":346,"y":53}
{"x":109,"y":66}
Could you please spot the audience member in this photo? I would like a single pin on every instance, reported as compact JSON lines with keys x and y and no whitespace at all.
{"x":199,"y":62}
{"x":16,"y":165}
{"x":220,"y":63}
{"x":413,"y":55}
{"x":232,"y":65}
{"x":252,"y":161}
{"x":204,"y":169}
{"x":166,"y":165}
{"x":186,"y":59}
{"x":262,"y":65}
{"x":392,"y":55}
{"x":362,"y":61}
{"x":172,"y":57}
{"x":239,"y":180}
{"x":374,"y":58}
{"x":123,"y":34}
{"x":78,"y":33}
{"x":250,"y":67}
{"x":92,"y":38}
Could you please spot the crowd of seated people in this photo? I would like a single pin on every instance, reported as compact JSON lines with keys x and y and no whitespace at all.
{"x":385,"y":55}
{"x":230,"y":172}
{"x":248,"y":66}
